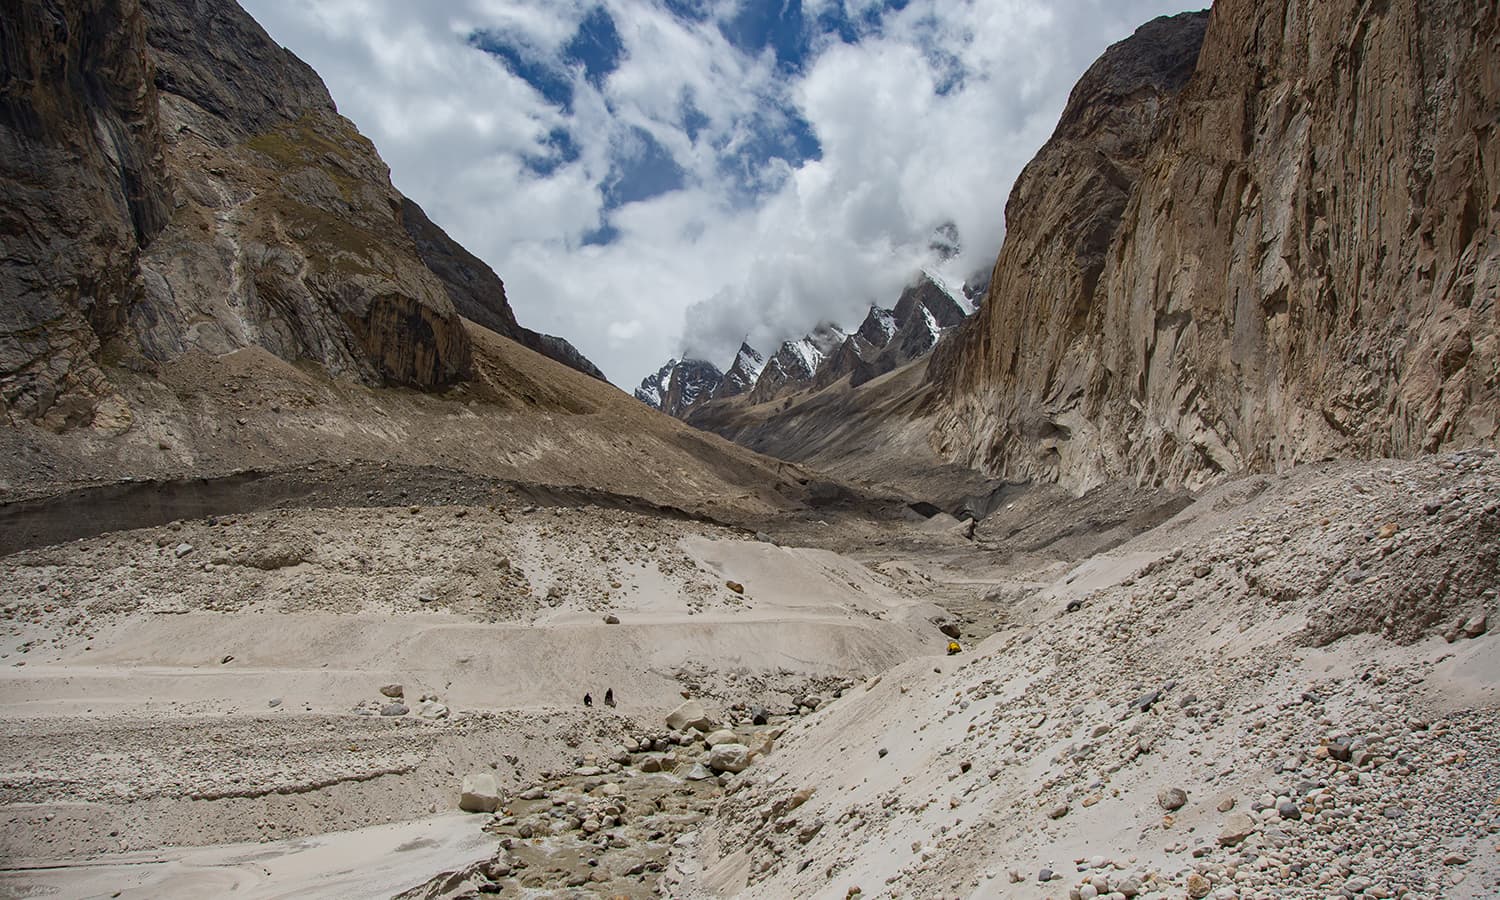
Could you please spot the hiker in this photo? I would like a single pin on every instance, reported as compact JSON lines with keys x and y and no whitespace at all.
{"x":588,"y":699}
{"x":609,"y":697}
{"x":953,"y":648}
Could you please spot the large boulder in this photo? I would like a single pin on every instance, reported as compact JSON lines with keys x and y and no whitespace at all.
{"x":689,"y":715}
{"x":722,"y":736}
{"x":729,"y":758}
{"x":480,"y":793}
{"x":761,"y":744}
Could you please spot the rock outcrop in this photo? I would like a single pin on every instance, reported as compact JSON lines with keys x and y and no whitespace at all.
{"x":1291,"y":256}
{"x":680,"y":386}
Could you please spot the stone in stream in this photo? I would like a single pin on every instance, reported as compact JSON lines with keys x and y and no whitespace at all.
{"x":722,"y":736}
{"x":729,"y":758}
{"x":480,"y":793}
{"x":689,"y":715}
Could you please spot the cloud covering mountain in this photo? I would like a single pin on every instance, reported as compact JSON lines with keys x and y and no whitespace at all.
{"x":667,"y":178}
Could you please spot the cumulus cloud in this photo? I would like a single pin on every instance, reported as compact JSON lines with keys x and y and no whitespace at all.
{"x":655,"y":178}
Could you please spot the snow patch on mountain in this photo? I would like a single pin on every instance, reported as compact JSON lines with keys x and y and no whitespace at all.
{"x":953,"y":287}
{"x":653,"y":388}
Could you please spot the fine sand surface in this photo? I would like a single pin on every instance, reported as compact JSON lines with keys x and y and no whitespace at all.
{"x":378,"y":861}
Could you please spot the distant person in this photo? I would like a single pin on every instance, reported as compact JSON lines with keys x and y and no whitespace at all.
{"x":588,"y":699}
{"x":609,"y":697}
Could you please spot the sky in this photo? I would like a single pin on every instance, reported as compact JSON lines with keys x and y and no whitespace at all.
{"x":664,"y":178}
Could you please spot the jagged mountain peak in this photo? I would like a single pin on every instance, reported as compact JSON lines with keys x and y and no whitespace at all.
{"x":742,"y":374}
{"x":653,"y":388}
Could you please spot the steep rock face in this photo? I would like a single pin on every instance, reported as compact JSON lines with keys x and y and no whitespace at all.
{"x":878,"y":327}
{"x":1305,"y":263}
{"x":653,"y":388}
{"x":175,"y":181}
{"x":82,"y":187}
{"x":478,"y":293}
{"x":742,"y":374}
{"x":849,"y":357}
{"x":925,"y":293}
{"x":1015,"y":375}
{"x":693,"y":381}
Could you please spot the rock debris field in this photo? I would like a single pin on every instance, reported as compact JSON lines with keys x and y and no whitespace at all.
{"x":1286,"y":690}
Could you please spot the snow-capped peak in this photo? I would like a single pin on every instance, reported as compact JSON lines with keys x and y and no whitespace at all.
{"x":749,"y":362}
{"x":952,"y":287}
{"x":653,"y":389}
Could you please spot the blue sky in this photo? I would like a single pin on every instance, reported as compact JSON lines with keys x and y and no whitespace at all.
{"x":660,"y":177}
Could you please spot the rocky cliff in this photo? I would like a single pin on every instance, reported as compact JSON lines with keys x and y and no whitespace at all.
{"x":692,"y":382}
{"x":652,"y":390}
{"x":84,"y":186}
{"x":174,"y":181}
{"x":1291,"y":255}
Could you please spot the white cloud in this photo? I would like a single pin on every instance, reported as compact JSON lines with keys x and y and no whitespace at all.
{"x":700,"y":268}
